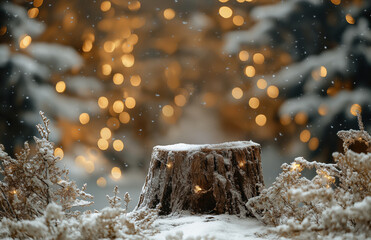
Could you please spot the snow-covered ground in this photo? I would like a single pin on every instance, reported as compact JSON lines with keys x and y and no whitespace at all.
{"x":219,"y":227}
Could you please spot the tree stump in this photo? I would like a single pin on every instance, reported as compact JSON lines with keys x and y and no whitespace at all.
{"x":213,"y":179}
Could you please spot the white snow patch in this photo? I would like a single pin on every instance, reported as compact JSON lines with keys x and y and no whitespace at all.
{"x":198,"y":147}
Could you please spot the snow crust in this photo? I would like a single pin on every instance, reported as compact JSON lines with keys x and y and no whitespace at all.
{"x":198,"y":147}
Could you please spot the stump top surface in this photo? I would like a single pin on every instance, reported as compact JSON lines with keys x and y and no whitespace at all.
{"x":183,"y":147}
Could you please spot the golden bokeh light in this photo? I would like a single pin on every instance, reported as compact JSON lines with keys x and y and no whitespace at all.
{"x":355,"y":108}
{"x":127,"y":60}
{"x":250,"y":71}
{"x":101,"y":182}
{"x":261,"y":83}
{"x":225,"y":12}
{"x":272,"y":91}
{"x":103,"y":102}
{"x":109,"y":46}
{"x":60,"y":86}
{"x":118,"y":78}
{"x":135,"y":80}
{"x":33,"y":12}
{"x":38,"y":3}
{"x":313,"y":143}
{"x":261,"y":120}
{"x":87,"y":46}
{"x":105,"y":133}
{"x":134,"y":5}
{"x":124,"y":117}
{"x":118,"y":145}
{"x":118,"y":106}
{"x":243,"y":55}
{"x":168,"y":111}
{"x":238,"y":20}
{"x":133,"y":39}
{"x":336,"y":2}
{"x":105,"y":6}
{"x":180,"y":100}
{"x":197,"y":189}
{"x":127,"y":47}
{"x":223,"y":1}
{"x":258,"y":58}
{"x":349,"y":19}
{"x":301,"y":118}
{"x":130,"y":102}
{"x":254,"y":103}
{"x":25,"y":41}
{"x":84,"y":118}
{"x":58,"y":152}
{"x":3,"y":30}
{"x":80,"y":161}
{"x":305,"y":135}
{"x":102,"y":144}
{"x":113,"y":123}
{"x":169,"y":14}
{"x":106,"y":69}
{"x":285,"y":119}
{"x":322,"y":110}
{"x":237,"y":93}
{"x":89,"y":166}
{"x":323,"y":71}
{"x":116,"y":173}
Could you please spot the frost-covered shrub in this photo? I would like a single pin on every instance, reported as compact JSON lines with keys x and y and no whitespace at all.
{"x":336,"y":202}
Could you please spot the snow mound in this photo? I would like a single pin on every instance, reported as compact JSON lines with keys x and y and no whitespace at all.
{"x":179,"y":147}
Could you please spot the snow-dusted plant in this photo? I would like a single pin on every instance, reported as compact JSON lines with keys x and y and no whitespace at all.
{"x":30,"y":183}
{"x":336,"y":202}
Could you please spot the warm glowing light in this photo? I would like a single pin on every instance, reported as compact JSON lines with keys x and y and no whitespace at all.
{"x":105,"y":6}
{"x":87,"y":46}
{"x":80,"y":161}
{"x":134,"y":5}
{"x":169,"y":14}
{"x":168,"y":111}
{"x":118,"y":145}
{"x":130,"y":102}
{"x":109,"y":46}
{"x":313,"y":143}
{"x":225,"y":12}
{"x":84,"y":118}
{"x":127,"y":60}
{"x":105,"y":133}
{"x":250,"y":71}
{"x":118,"y":106}
{"x":169,"y":164}
{"x":58,"y":152}
{"x":349,"y":19}
{"x":301,"y":118}
{"x":295,"y":167}
{"x":135,"y":80}
{"x":305,"y":135}
{"x":197,"y":189}
{"x":273,"y":91}
{"x":285,"y":119}
{"x":106,"y":69}
{"x":336,"y":2}
{"x":60,"y":86}
{"x":33,"y":12}
{"x":133,"y":39}
{"x":322,"y":110}
{"x":103,"y":102}
{"x":238,"y":20}
{"x":261,"y":83}
{"x":127,"y":47}
{"x":38,"y":3}
{"x":3,"y":30}
{"x":124,"y":117}
{"x":323,"y":72}
{"x":102,"y":144}
{"x":355,"y":108}
{"x":254,"y":103}
{"x":258,"y":58}
{"x":223,"y":1}
{"x":243,"y":55}
{"x":25,"y":41}
{"x":237,"y":93}
{"x":113,"y":123}
{"x":89,"y":166}
{"x":116,"y":173}
{"x":118,"y":78}
{"x":241,"y":164}
{"x":180,"y":100}
{"x":101,"y":182}
{"x":261,"y":120}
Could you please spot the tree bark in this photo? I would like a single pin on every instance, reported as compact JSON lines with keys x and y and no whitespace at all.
{"x":213,"y":179}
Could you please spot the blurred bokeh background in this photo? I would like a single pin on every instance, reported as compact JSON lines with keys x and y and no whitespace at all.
{"x":117,"y":77}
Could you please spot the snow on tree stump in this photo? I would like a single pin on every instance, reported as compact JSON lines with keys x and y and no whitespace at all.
{"x":213,"y":179}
